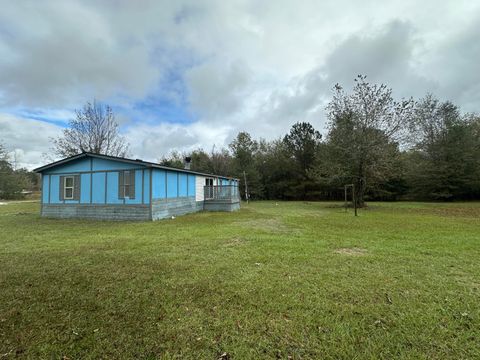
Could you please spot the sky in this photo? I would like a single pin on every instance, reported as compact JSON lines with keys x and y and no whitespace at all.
{"x":182,"y":75}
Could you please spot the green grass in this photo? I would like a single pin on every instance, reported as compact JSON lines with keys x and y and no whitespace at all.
{"x":293,"y":280}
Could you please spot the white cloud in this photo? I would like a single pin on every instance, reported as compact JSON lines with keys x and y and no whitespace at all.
{"x":151,"y":142}
{"x":28,"y":138}
{"x":216,"y":94}
{"x":59,"y":53}
{"x":236,"y":65}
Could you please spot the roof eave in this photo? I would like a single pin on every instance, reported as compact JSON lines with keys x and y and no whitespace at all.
{"x":130,"y":161}
{"x":59,"y":162}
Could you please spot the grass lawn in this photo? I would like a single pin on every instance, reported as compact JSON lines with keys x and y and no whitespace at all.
{"x":294,"y":280}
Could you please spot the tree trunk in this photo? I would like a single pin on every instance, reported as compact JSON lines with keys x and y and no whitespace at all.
{"x":360,"y":188}
{"x":360,"y":185}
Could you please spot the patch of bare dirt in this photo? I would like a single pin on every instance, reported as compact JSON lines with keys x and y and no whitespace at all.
{"x":269,"y":225}
{"x":351,"y":251}
{"x":465,"y":212}
{"x":470,"y":212}
{"x":235,"y":241}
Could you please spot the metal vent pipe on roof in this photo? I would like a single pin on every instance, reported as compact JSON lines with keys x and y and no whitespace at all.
{"x":187,"y":162}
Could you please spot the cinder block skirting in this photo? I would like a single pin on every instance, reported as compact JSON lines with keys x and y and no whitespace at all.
{"x":165,"y":208}
{"x":219,"y":205}
{"x":97,"y":211}
{"x":161,"y":209}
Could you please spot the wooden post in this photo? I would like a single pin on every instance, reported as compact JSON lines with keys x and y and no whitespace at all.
{"x":354,"y":199}
{"x":246,"y":187}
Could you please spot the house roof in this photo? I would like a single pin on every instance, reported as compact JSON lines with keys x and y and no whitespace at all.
{"x":125,"y":160}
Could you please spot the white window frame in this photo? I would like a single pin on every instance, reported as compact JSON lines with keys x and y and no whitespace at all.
{"x":126,"y":182}
{"x":65,"y":187}
{"x":209,"y":183}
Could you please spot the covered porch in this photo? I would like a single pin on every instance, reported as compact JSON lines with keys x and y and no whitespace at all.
{"x":221,"y":198}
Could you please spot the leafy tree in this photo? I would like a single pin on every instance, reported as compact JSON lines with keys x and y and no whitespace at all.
{"x":302,"y":142}
{"x":174,"y":159}
{"x":279,"y":174}
{"x":244,"y":151}
{"x":11,"y":184}
{"x":215,"y":162}
{"x":201,"y":161}
{"x":445,"y":162}
{"x":93,"y":130}
{"x":364,"y":130}
{"x":221,"y":162}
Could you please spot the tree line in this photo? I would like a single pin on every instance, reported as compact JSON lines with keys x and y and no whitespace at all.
{"x":423,"y":149}
{"x":13,"y":181}
{"x":390,"y":150}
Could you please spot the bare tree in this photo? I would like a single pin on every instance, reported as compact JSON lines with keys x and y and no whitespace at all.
{"x":93,"y":130}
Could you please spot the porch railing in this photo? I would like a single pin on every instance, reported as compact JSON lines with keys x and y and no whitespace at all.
{"x":221,"y":192}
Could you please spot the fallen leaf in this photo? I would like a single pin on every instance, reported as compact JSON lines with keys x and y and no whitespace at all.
{"x":224,"y":356}
{"x":387,"y":297}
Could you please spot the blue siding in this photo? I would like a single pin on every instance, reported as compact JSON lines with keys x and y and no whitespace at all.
{"x":158,"y":184}
{"x":146,"y":187}
{"x":85,"y":188}
{"x":71,"y":167}
{"x":45,"y":193}
{"x":54,"y":189}
{"x":102,"y":164}
{"x":82,"y":165}
{"x":94,"y":173}
{"x":112,"y":188}
{"x":177,"y":184}
{"x":191,"y":185}
{"x":182,"y":184}
{"x":98,"y":187}
{"x":138,"y":188}
{"x":172,"y":190}
{"x":71,"y":202}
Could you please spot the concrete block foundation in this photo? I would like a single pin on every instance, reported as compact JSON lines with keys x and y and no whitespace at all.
{"x":98,"y":212}
{"x":166,"y":208}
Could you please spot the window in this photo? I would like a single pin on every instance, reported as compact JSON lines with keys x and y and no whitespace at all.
{"x":208,"y":182}
{"x":68,"y":187}
{"x":126,"y":184}
{"x":208,"y":188}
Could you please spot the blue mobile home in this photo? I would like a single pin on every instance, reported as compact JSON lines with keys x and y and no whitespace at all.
{"x":112,"y":188}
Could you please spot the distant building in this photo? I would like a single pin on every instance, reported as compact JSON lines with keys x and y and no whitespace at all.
{"x":105,"y":187}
